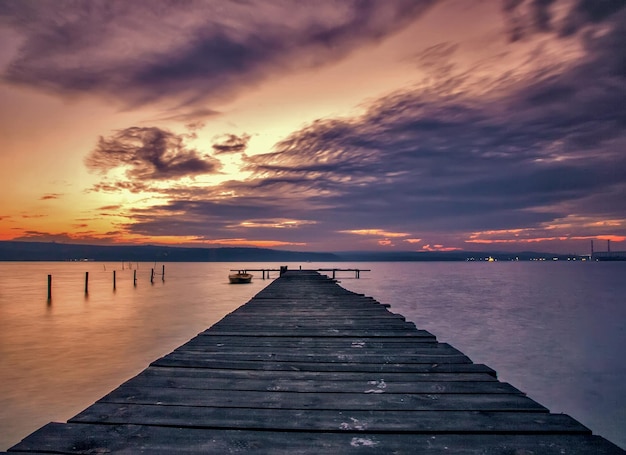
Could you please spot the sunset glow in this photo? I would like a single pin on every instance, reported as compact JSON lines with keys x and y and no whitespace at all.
{"x":421,"y":125}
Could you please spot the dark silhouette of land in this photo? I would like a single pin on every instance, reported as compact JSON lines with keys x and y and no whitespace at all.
{"x":51,"y":251}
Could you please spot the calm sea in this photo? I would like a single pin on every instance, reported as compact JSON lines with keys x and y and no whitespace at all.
{"x":555,"y":330}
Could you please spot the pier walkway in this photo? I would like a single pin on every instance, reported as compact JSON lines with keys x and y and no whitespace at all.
{"x":309,"y":367}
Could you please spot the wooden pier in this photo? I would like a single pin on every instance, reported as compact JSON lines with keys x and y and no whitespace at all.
{"x":357,"y":272}
{"x":308,"y":367}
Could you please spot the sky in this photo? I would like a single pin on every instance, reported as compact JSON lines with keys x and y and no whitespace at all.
{"x":401,"y":125}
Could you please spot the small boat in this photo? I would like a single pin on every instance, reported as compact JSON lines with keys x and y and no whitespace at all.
{"x":240,"y":278}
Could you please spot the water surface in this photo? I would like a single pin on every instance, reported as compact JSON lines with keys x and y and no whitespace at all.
{"x":554,"y":330}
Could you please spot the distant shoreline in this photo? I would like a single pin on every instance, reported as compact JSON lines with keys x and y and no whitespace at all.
{"x":16,"y":251}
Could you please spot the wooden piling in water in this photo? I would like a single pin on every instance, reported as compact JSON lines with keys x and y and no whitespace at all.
{"x":49,"y":288}
{"x":86,"y":283}
{"x":309,"y":367}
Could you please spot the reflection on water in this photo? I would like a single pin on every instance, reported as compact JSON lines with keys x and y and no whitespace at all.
{"x":56,"y":359}
{"x":554,"y":330}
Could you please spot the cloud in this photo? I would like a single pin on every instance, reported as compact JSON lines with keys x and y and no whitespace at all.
{"x":274,"y":223}
{"x":376,"y":233}
{"x":49,"y":196}
{"x":527,"y":17}
{"x":193,"y":117}
{"x":251,"y":243}
{"x":86,"y":237}
{"x":231,"y":143}
{"x":544,"y":145}
{"x":211,"y":217}
{"x":141,"y":52}
{"x":149,"y":153}
{"x":535,"y":154}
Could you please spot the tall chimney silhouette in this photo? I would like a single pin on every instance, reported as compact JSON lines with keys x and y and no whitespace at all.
{"x":608,"y":245}
{"x":591,"y":247}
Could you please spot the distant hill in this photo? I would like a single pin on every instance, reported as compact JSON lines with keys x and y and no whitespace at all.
{"x":50,"y":251}
{"x":44,"y":251}
{"x":459,"y":255}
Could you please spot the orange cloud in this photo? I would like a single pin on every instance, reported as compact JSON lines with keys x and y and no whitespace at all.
{"x":49,"y":196}
{"x":255,"y":243}
{"x":475,"y":239}
{"x":273,"y":223}
{"x":375,"y":232}
{"x":439,"y":247}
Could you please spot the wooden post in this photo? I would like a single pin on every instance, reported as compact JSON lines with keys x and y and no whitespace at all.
{"x":333,"y":274}
{"x":135,"y":277}
{"x":357,"y":273}
{"x":151,"y":276}
{"x":86,"y":283}
{"x":114,"y":280}
{"x":163,"y":273}
{"x":49,"y":288}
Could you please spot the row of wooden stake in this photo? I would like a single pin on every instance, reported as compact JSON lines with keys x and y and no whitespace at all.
{"x":114,"y":281}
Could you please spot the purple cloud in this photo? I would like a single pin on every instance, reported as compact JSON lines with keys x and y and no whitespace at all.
{"x":140,"y":52}
{"x":526,"y":17}
{"x":231,"y":143}
{"x":149,"y":154}
{"x":546,"y":148}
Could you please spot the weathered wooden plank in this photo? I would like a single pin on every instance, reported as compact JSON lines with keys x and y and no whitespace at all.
{"x":330,"y":400}
{"x":357,"y":351}
{"x":432,"y":422}
{"x":289,"y":311}
{"x":316,"y":376}
{"x":304,"y":305}
{"x":318,"y":344}
{"x":185,"y":361}
{"x":293,"y":341}
{"x":81,"y":439}
{"x":322,"y":332}
{"x":320,"y":386}
{"x":330,"y":328}
{"x":316,"y":323}
{"x":277,"y":356}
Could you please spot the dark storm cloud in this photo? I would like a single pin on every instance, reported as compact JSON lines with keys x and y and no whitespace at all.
{"x":591,"y":12}
{"x":140,"y":52}
{"x":231,"y":143}
{"x":525,"y":17}
{"x":547,"y":147}
{"x":149,"y":154}
{"x":210,"y":218}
